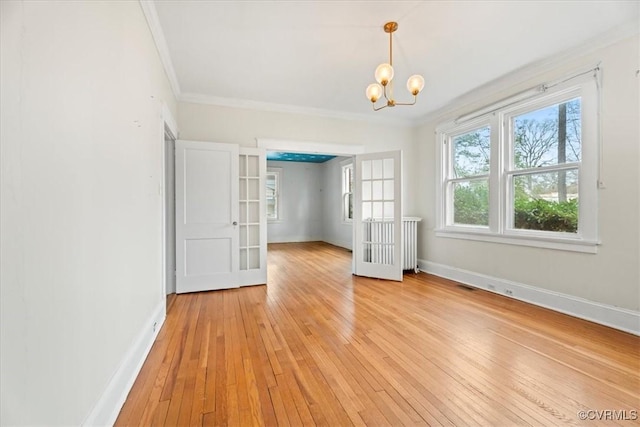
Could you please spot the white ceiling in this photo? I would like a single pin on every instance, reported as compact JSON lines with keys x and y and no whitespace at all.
{"x":321,"y":54}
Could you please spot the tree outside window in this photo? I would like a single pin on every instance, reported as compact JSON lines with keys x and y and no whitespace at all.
{"x":525,"y":173}
{"x":548,"y":138}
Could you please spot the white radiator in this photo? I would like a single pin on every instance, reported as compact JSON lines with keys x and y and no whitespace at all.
{"x":410,"y":239}
{"x":379,"y":242}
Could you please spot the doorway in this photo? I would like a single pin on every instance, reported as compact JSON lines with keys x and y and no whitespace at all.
{"x":309,"y":198}
{"x":169,"y":213}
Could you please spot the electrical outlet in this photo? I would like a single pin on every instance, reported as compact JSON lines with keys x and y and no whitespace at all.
{"x":508,"y":292}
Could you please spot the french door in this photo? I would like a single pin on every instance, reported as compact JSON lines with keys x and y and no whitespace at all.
{"x":253,"y":217}
{"x":220,"y":216}
{"x":377,"y":218}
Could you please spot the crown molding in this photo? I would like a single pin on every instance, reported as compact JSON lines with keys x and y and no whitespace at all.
{"x":531,"y":71}
{"x":511,"y":79}
{"x":196,"y":98}
{"x":150,"y":13}
{"x":316,"y":147}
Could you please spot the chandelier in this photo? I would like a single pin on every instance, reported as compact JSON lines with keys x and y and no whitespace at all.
{"x":384,"y":77}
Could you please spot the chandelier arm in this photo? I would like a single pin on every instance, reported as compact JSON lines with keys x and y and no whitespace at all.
{"x":415,"y":99}
{"x":384,"y":91}
{"x":379,"y":108}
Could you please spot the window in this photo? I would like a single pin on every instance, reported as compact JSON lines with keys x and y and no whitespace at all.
{"x":347,"y":192}
{"x":525,"y":173}
{"x":469,"y":181}
{"x":273,"y":181}
{"x":544,"y":161}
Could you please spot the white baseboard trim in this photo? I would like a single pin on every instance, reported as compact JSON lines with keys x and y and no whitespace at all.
{"x":608,"y":315}
{"x":106,"y":410}
{"x":294,"y":239}
{"x":338,"y":243}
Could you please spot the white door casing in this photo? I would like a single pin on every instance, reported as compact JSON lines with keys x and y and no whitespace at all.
{"x":377,"y":218}
{"x":207,"y":237}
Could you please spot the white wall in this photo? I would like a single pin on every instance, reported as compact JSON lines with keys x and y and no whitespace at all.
{"x":242,"y":126}
{"x":334,"y":229}
{"x":301,"y":203}
{"x":609,"y":277}
{"x":81,"y":144}
{"x":311,"y":197}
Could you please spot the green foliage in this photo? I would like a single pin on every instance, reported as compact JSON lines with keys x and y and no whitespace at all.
{"x":547,"y":136}
{"x":540,"y":214}
{"x":471,"y":207}
{"x":471,"y":204}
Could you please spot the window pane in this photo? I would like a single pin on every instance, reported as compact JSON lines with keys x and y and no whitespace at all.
{"x":254,"y":189}
{"x":347,"y":190}
{"x":366,"y":190}
{"x":271,"y":183}
{"x":272,"y":195}
{"x":388,"y":168}
{"x":376,"y":193}
{"x":271,"y":208}
{"x":348,"y":206}
{"x":366,"y":211}
{"x":377,"y":210}
{"x":471,"y":202}
{"x":376,"y":169}
{"x":471,"y":153}
{"x":388,"y":190}
{"x":546,"y":201}
{"x":366,"y":169}
{"x":548,"y":136}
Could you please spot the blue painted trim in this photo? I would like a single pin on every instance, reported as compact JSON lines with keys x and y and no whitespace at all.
{"x":298,"y":157}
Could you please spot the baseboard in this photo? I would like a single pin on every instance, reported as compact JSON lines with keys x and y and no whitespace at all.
{"x":608,"y":315}
{"x":108,"y":406}
{"x":338,"y":243}
{"x":294,"y":239}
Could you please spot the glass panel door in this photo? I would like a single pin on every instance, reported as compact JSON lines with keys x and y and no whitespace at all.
{"x":252,"y":223}
{"x":378,"y":215}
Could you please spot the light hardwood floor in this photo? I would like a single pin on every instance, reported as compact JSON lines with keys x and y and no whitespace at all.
{"x":318,"y":346}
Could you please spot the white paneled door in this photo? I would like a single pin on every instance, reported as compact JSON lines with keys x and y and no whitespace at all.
{"x":377,"y":218}
{"x":207,"y":236}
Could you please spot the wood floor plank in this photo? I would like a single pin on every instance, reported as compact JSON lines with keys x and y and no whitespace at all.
{"x":318,"y":346}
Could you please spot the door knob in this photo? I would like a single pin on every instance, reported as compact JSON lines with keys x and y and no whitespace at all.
{"x":235,"y":222}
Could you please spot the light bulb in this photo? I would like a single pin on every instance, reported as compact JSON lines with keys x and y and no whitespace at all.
{"x":374,"y":92}
{"x":415,"y":84}
{"x":384,"y":74}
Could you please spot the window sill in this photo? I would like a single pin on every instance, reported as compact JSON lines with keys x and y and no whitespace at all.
{"x":572,"y":245}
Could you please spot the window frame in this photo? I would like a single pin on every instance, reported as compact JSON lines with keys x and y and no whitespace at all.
{"x":278,"y":194}
{"x":450,"y":179}
{"x":502,"y":172}
{"x":348,"y":164}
